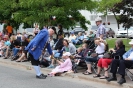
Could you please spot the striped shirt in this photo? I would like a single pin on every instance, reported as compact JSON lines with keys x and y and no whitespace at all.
{"x":101,"y":31}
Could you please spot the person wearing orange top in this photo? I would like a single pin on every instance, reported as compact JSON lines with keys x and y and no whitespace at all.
{"x":9,"y":29}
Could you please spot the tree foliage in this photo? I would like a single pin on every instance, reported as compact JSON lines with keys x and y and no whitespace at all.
{"x":125,"y":8}
{"x":42,"y":12}
{"x":122,"y":7}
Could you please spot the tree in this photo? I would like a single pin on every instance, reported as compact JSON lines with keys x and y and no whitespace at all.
{"x":108,"y":5}
{"x":42,"y":11}
{"x":125,"y":7}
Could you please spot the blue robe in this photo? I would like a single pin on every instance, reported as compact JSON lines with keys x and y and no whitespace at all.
{"x":39,"y":42}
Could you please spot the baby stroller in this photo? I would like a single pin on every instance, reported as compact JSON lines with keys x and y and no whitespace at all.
{"x":89,"y":50}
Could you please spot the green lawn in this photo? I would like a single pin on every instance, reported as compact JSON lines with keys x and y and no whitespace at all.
{"x":111,"y":43}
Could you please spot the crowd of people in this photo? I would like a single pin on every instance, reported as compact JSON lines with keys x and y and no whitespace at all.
{"x":62,"y":54}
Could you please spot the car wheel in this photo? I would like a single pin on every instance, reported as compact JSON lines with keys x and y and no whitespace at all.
{"x":112,"y":36}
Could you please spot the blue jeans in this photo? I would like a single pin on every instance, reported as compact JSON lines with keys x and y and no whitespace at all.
{"x":56,"y":54}
{"x":15,"y":51}
{"x":91,"y":59}
{"x":74,"y":41}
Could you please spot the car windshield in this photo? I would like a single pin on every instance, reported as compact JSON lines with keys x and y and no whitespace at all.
{"x":94,"y":28}
{"x":107,"y":29}
{"x":65,"y":30}
{"x":29,"y":29}
{"x":78,"y":29}
{"x":128,"y":29}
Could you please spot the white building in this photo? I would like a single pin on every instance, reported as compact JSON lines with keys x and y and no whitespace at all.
{"x":109,"y":18}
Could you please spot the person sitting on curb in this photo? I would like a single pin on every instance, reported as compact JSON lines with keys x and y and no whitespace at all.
{"x":63,"y":66}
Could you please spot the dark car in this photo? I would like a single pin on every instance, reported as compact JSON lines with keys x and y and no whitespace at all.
{"x":110,"y":32}
{"x":78,"y":29}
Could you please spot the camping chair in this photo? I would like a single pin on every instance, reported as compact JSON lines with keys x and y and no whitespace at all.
{"x":82,"y":63}
{"x":128,"y":70}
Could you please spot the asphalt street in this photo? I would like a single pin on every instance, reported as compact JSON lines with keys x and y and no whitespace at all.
{"x":17,"y":78}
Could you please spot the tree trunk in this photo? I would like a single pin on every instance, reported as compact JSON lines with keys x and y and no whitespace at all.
{"x":118,"y":25}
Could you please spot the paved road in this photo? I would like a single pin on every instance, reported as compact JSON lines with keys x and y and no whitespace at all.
{"x":16,"y":78}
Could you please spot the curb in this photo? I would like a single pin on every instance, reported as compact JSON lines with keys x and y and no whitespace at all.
{"x":81,"y":77}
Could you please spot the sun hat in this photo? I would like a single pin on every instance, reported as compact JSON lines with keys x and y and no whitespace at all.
{"x":67,"y":54}
{"x":98,"y":19}
{"x":131,"y":42}
{"x":72,"y":32}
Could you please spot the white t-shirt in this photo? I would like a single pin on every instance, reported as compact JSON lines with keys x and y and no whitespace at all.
{"x":100,"y":48}
{"x":72,"y":37}
{"x":131,"y":55}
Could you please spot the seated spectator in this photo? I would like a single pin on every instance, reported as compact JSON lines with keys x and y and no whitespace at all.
{"x":119,"y":50}
{"x":59,"y":44}
{"x":2,"y":44}
{"x":121,"y":65}
{"x":6,"y":46}
{"x":55,"y":35}
{"x":82,"y":55}
{"x":45,"y":59}
{"x":89,"y":37}
{"x":72,"y":36}
{"x":24,"y":33}
{"x":78,"y":55}
{"x":78,"y":39}
{"x":18,"y":36}
{"x":68,"y":47}
{"x":85,"y":36}
{"x":13,"y":41}
{"x":63,"y":66}
{"x":23,"y":44}
{"x":51,"y":41}
{"x":100,"y":50}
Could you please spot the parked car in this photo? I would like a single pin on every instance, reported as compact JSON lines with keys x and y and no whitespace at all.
{"x":122,"y":33}
{"x":110,"y":32}
{"x":66,"y":32}
{"x":94,"y":29}
{"x":29,"y":31}
{"x":78,"y":29}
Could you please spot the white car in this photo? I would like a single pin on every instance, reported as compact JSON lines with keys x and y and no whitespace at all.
{"x":122,"y":33}
{"x":29,"y":31}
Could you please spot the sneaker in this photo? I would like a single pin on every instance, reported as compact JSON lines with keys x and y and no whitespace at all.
{"x":51,"y":66}
{"x":5,"y":58}
{"x":122,"y":80}
{"x":112,"y":79}
{"x":44,"y":75}
{"x":41,"y":77}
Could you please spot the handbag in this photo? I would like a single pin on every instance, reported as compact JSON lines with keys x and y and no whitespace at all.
{"x":94,"y":55}
{"x":107,"y":55}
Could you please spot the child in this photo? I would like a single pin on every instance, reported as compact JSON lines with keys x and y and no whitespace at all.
{"x":82,"y":53}
{"x":78,"y":55}
{"x":63,"y":66}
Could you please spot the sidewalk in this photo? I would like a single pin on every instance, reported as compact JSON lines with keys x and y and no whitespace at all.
{"x":79,"y":75}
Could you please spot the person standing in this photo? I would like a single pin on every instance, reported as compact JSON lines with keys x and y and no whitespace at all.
{"x":36,"y":29}
{"x":60,"y":30}
{"x":9,"y":30}
{"x":101,"y":31}
{"x":35,"y":48}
